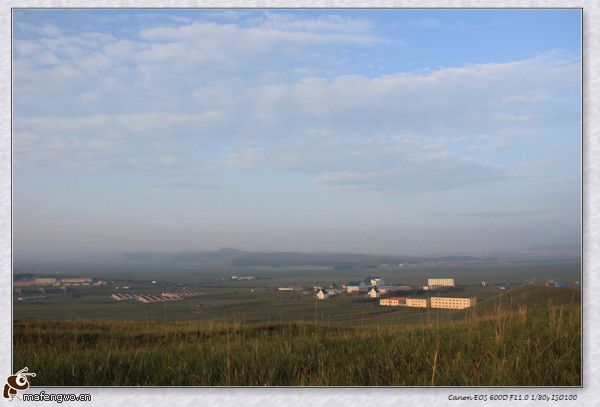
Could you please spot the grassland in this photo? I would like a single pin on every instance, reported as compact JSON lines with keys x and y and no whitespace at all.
{"x":231,"y":303}
{"x":528,"y":337}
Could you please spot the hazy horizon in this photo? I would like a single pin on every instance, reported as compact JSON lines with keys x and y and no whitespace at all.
{"x":542,"y":251}
{"x":404,"y":132}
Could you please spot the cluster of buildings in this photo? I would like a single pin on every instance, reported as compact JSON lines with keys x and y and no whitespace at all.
{"x":364,"y":285}
{"x":372,"y":286}
{"x":432,"y":302}
{"x":375,"y":287}
{"x":556,"y":284}
{"x":146,"y":298}
{"x":58,"y":282}
{"x":183,"y":294}
{"x":124,"y":297}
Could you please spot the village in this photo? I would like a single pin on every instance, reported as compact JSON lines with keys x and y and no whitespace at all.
{"x":124,"y":292}
{"x":374,"y":287}
{"x":438,"y":292}
{"x":45,"y":283}
{"x":58,"y":282}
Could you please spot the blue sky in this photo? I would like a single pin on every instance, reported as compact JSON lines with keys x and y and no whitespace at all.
{"x":385,"y":131}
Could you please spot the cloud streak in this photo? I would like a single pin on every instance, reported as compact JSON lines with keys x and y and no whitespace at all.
{"x":444,"y":173}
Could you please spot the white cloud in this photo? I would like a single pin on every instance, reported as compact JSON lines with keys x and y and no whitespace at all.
{"x":165,"y":99}
{"x":274,"y":31}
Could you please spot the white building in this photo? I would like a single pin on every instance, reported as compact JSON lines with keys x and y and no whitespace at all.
{"x":452,"y":302}
{"x":440,"y":282}
{"x":393,"y":301}
{"x":417,"y":302}
{"x":373,"y":292}
{"x":322,"y":295}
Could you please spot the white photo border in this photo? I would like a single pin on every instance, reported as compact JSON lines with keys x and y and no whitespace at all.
{"x":588,"y":394}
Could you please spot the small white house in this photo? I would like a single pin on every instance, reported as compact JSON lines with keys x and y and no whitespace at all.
{"x":322,"y":295}
{"x":374,"y":292}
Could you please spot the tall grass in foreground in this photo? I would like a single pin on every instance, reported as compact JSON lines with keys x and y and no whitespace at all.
{"x":534,"y":348}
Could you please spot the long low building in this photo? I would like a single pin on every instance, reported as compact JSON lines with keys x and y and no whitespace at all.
{"x":76,"y":281}
{"x":440,"y":282}
{"x":124,"y":297}
{"x":50,"y":281}
{"x":45,"y":281}
{"x":452,"y":302}
{"x":417,"y":302}
{"x":36,"y":282}
{"x":393,"y":301}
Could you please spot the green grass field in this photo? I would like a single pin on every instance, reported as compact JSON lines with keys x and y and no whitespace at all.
{"x":530,"y":336}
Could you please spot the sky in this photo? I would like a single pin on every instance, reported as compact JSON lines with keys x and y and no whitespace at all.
{"x":373,"y":131}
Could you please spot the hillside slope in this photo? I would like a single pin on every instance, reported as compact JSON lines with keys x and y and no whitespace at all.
{"x":530,"y":297}
{"x":537,"y":347}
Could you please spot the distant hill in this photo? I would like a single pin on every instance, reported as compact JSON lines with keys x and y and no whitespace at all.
{"x":241,"y":258}
{"x":278,"y":259}
{"x":189,"y":257}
